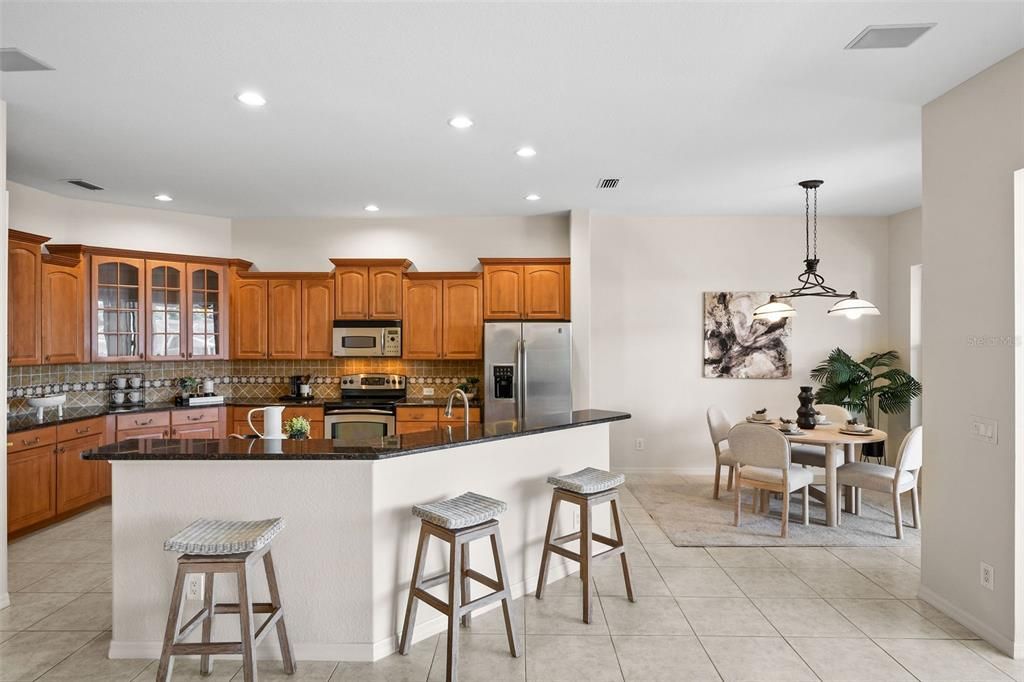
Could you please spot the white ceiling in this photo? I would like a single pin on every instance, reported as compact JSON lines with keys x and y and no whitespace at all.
{"x":715,"y":108}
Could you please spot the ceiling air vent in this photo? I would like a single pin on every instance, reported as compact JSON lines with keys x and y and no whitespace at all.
{"x":608,"y":183}
{"x":890,"y":36}
{"x":85,"y":185}
{"x":13,"y":59}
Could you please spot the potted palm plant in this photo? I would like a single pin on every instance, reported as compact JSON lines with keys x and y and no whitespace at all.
{"x":874,"y":384}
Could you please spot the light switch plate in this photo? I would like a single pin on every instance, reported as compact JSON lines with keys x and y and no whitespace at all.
{"x":985,"y":429}
{"x":428,"y":391}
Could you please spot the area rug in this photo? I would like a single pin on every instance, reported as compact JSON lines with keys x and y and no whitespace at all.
{"x":684,"y":509}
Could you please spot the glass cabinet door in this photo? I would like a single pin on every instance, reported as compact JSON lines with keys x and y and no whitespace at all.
{"x":207,"y":301}
{"x":118,"y":296}
{"x":166,"y":292}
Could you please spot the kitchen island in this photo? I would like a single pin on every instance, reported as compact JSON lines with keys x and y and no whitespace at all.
{"x":345,"y":557}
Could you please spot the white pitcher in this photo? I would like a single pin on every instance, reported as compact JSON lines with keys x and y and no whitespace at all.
{"x":272,"y":416}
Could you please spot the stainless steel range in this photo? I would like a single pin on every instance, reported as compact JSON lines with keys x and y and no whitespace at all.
{"x":367,"y":407}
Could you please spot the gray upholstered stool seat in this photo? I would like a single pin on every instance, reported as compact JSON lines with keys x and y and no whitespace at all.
{"x":587,"y":481}
{"x":468,"y":509}
{"x":209,"y":537}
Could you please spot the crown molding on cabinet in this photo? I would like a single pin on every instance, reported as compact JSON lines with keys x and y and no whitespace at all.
{"x":525,"y":261}
{"x":403,"y":263}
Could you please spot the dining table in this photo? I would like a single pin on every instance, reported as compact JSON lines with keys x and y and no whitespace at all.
{"x":832,"y":440}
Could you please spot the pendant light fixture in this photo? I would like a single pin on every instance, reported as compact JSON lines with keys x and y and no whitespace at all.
{"x":812,"y":283}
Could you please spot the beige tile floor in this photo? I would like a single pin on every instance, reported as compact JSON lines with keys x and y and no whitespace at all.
{"x":732,"y":613}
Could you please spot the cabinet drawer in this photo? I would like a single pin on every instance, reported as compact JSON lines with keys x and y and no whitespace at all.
{"x":310,"y":413}
{"x":146,"y":420}
{"x":416,"y":414}
{"x":36,"y":438}
{"x":414,"y":427}
{"x":458,"y":416}
{"x":146,"y":432}
{"x":81,"y":429}
{"x":196,"y":415}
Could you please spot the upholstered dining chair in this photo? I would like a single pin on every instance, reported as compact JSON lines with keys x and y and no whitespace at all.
{"x":719,"y":425}
{"x":764,"y":463}
{"x":893,"y":480}
{"x":814,"y":455}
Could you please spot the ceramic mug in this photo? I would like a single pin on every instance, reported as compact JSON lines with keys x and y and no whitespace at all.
{"x":135,"y":396}
{"x":120,"y":382}
{"x":820,"y":418}
{"x":304,"y":390}
{"x":118,"y":397}
{"x":135,"y":382}
{"x":789,"y":427}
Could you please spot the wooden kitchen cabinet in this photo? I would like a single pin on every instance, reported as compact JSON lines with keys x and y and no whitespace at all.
{"x":317,"y":326}
{"x":240,"y":425}
{"x":416,"y":418}
{"x":526,"y":289}
{"x":31,"y":487}
{"x":463,"y":322}
{"x":284,"y":315}
{"x":24,"y":298}
{"x":421,"y":319}
{"x":205,"y":303}
{"x":119,"y":319}
{"x":249,"y":319}
{"x":146,"y":432}
{"x":79,"y":481}
{"x":368,"y":288}
{"x":165,"y":313}
{"x":65,"y":310}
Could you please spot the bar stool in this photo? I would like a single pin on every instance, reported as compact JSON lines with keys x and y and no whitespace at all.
{"x":458,"y":521}
{"x":585,"y":488}
{"x":210,"y":547}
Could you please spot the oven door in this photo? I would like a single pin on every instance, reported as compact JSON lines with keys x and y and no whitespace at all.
{"x":359,"y":425}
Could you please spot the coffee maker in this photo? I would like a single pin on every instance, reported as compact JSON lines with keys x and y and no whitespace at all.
{"x":299,"y":388}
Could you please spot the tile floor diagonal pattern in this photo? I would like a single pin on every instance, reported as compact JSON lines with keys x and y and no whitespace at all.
{"x":715,"y":613}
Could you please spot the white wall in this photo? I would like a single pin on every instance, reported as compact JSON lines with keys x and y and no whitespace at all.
{"x":431,"y":243}
{"x":78,"y":221}
{"x":4,"y":598}
{"x":579,"y":228}
{"x":973,"y":141}
{"x":648,"y":278}
{"x":904,"y":254}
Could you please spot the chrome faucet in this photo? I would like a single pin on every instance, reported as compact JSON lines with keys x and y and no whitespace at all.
{"x":465,"y":405}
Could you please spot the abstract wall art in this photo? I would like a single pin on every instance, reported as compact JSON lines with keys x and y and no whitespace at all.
{"x":736,"y":346}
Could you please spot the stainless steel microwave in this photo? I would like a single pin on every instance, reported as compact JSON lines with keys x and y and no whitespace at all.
{"x":367,"y":339}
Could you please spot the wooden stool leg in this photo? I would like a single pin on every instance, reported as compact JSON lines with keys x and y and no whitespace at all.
{"x":586,"y":550}
{"x":205,"y":662}
{"x":545,"y":555}
{"x":287,"y":655}
{"x":417,"y":578}
{"x":163,"y":672}
{"x":785,"y":513}
{"x":467,"y":617}
{"x":739,"y":494}
{"x":454,"y":610}
{"x":897,"y":511}
{"x":506,"y":606}
{"x":622,"y":557}
{"x":245,"y":619}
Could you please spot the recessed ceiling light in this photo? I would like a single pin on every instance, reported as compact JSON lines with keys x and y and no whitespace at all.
{"x":460,"y":122}
{"x":251,"y":98}
{"x":526,"y":152}
{"x":532,"y":197}
{"x":372,"y":208}
{"x":164,"y":197}
{"x":888,"y":36}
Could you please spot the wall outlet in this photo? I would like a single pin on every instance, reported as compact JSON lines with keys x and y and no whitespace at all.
{"x":428,"y":391}
{"x":985,"y":429}
{"x":988,"y":576}
{"x":194,"y":585}
{"x":639,"y":444}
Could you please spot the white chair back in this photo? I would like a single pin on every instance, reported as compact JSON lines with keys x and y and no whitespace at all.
{"x":718,"y":424}
{"x":837,"y":414}
{"x":911,"y":456}
{"x":760,"y":446}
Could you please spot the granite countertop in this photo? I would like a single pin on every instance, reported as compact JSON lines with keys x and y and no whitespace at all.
{"x":375,"y":449}
{"x":27,"y":421}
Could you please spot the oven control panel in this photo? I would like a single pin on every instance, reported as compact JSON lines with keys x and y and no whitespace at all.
{"x":373,"y":382}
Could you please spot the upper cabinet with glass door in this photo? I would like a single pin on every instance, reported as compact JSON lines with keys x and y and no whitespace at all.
{"x":207,"y":295}
{"x":166,"y":293}
{"x":119,"y":320}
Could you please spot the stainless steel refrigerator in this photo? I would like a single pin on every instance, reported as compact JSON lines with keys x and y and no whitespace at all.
{"x":527,"y":369}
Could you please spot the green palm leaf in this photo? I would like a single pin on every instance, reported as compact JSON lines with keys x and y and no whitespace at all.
{"x":856,"y":386}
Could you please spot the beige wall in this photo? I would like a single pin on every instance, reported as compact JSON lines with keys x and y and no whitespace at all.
{"x":904,"y":253}
{"x":4,"y":598}
{"x":973,"y":141}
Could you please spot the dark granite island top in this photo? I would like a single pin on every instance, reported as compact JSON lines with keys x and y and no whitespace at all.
{"x":377,"y":449}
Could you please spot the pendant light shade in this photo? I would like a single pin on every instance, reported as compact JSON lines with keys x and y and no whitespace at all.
{"x":774,"y":310}
{"x":853,"y":307}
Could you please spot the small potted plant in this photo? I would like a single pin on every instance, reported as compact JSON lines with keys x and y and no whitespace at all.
{"x":297,"y":428}
{"x":188,"y":386}
{"x":469,"y":387}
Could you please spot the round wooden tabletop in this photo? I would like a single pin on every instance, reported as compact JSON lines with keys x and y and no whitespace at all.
{"x":824,"y":434}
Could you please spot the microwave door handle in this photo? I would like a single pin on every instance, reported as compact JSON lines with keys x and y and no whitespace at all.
{"x":383,"y":334}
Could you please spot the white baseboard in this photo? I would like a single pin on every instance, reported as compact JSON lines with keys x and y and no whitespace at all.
{"x":5,"y":600}
{"x":1014,"y":649}
{"x":681,"y":471}
{"x":347,"y":651}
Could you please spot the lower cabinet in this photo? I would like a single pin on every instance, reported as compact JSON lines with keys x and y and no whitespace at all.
{"x":414,"y":418}
{"x":201,"y":422}
{"x":239,"y":423}
{"x":31,"y":487}
{"x":79,"y":481}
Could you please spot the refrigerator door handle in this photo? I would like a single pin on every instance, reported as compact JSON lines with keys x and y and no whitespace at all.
{"x":523,"y":379}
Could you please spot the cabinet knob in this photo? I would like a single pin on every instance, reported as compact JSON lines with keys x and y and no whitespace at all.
{"x":164,"y":433}
{"x":10,"y":443}
{"x":87,"y":429}
{"x":47,"y":358}
{"x":61,"y":450}
{"x":25,"y":441}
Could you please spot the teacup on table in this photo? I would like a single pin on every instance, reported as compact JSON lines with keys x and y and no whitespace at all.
{"x":788,"y":427}
{"x":820,"y":419}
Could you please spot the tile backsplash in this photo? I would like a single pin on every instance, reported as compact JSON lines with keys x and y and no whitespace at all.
{"x":85,"y":385}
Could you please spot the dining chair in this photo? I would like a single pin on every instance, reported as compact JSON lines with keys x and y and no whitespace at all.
{"x":719,"y":425}
{"x":764,"y":463}
{"x":893,"y":480}
{"x":814,"y":455}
